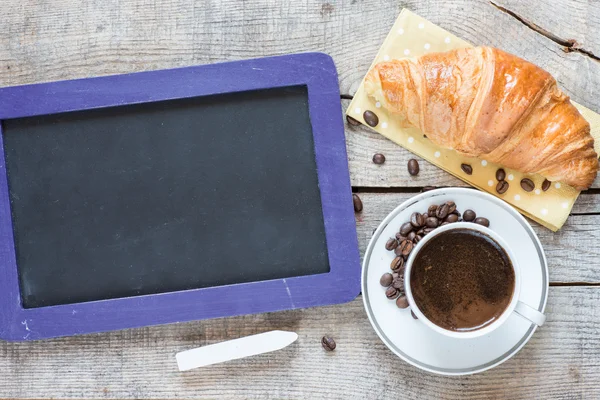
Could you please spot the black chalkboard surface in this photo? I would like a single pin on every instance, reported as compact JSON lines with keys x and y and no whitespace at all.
{"x":164,"y":196}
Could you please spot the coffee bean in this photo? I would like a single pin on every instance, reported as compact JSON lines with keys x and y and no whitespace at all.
{"x":451,"y":206}
{"x":417,"y":239}
{"x":378,"y":158}
{"x":406,"y":228}
{"x":469,"y":215}
{"x":416,"y":220}
{"x":546,"y":185}
{"x":371,"y":118}
{"x":328,"y":343}
{"x":358,"y":206}
{"x":500,"y":174}
{"x":400,"y":237}
{"x":432,"y":222}
{"x":391,"y":244}
{"x":444,"y":223}
{"x":386,"y":279}
{"x":413,"y":167}
{"x":398,"y":283}
{"x":406,"y":247}
{"x":482,"y":221}
{"x":398,"y":250}
{"x":432,"y":209}
{"x":527,"y":184}
{"x":427,"y":188}
{"x":502,"y":187}
{"x":402,"y":302}
{"x":467,"y":169}
{"x":427,"y":231}
{"x":451,"y":218}
{"x":352,"y":121}
{"x":442,"y":211}
{"x":397,"y":264}
{"x":411,"y":236}
{"x":456,"y":213}
{"x":425,"y":216}
{"x":391,"y":293}
{"x":421,"y":232}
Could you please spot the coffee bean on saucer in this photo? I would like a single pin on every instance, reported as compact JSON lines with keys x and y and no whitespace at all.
{"x":500,"y":174}
{"x":402,"y":302}
{"x":467,"y":169}
{"x":432,"y":222}
{"x":400,"y":237}
{"x":391,"y":293}
{"x":378,"y":158}
{"x":411,"y":236}
{"x":451,"y":206}
{"x":352,"y":121}
{"x":442,"y":211}
{"x":482,"y":221}
{"x":421,"y":232}
{"x":398,"y":282}
{"x":546,"y":185}
{"x":397,"y":265}
{"x":328,"y":343}
{"x":405,"y":248}
{"x":413,"y":314}
{"x":527,"y":184}
{"x":469,"y":215}
{"x":386,"y":279}
{"x":502,"y":187}
{"x":427,"y":188}
{"x":406,"y":228}
{"x":451,"y":218}
{"x":358,"y":206}
{"x":413,"y":167}
{"x":416,"y":220}
{"x":371,"y":118}
{"x":391,"y":244}
{"x":398,"y":250}
{"x":432,"y":209}
{"x":427,"y":231}
{"x":417,"y":239}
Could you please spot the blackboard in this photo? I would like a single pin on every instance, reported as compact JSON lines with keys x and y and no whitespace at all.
{"x":164,"y":196}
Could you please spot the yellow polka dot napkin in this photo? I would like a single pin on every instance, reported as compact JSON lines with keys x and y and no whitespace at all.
{"x":412,"y":36}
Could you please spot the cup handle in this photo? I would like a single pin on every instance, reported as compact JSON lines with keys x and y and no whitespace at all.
{"x":529,"y":313}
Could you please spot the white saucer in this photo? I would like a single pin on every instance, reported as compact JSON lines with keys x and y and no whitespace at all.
{"x":421,"y":346}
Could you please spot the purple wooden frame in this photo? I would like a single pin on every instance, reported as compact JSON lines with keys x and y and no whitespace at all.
{"x":316,"y":71}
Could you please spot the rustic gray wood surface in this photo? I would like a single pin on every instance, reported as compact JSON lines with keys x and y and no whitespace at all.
{"x":63,"y":39}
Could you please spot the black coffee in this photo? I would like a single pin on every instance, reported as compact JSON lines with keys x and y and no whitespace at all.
{"x":462,"y":280}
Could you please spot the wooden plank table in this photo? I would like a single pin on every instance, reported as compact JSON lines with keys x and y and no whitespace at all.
{"x":63,"y":39}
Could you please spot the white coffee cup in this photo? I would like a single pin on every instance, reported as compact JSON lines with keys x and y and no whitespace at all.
{"x":515,"y":305}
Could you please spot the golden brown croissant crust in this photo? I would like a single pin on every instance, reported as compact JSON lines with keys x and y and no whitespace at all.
{"x":486,"y":103}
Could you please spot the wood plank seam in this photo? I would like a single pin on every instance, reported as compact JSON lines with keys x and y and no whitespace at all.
{"x":569,"y":45}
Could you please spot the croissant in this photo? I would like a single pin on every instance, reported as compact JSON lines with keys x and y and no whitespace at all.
{"x":486,"y":103}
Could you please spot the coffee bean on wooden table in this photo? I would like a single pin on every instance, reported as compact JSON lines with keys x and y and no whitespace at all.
{"x":391,"y":244}
{"x":467,"y":169}
{"x":378,"y":158}
{"x":352,"y":121}
{"x":411,"y":236}
{"x":451,"y":218}
{"x":527,"y":184}
{"x":402,"y":302}
{"x":427,"y":188}
{"x":358,"y":206}
{"x":469,"y":215}
{"x":405,"y":248}
{"x":546,"y":185}
{"x":500,"y":174}
{"x":432,"y":209}
{"x":413,"y":167}
{"x":406,"y":228}
{"x":397,"y":264}
{"x":328,"y":343}
{"x":432,"y":222}
{"x":502,"y":187}
{"x":416,"y":220}
{"x":391,"y":293}
{"x":371,"y":118}
{"x":386,"y":279}
{"x":442,"y":211}
{"x":482,"y":221}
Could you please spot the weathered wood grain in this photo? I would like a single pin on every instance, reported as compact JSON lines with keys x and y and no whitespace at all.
{"x":573,"y":252}
{"x":561,"y":361}
{"x":65,"y":39}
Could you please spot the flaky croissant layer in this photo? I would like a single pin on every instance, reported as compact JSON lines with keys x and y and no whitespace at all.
{"x":486,"y":103}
